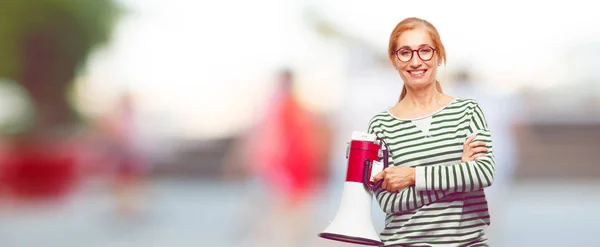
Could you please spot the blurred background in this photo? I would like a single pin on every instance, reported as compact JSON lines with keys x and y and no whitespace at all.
{"x":170,"y":123}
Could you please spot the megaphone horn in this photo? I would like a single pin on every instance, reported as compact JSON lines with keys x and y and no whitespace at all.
{"x":353,"y":222}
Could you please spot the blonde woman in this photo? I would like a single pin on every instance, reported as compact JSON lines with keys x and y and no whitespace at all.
{"x":441,"y":151}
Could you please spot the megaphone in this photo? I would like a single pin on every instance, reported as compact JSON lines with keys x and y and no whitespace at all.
{"x":353,"y":222}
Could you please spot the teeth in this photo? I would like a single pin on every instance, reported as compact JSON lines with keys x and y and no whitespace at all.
{"x":418,"y":72}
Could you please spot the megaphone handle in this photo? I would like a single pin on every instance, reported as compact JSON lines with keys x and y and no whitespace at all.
{"x":386,"y":153}
{"x":386,"y":156}
{"x":366,"y":177}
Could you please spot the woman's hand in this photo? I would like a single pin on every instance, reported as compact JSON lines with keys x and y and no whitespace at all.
{"x":396,"y":178}
{"x":473,"y":150}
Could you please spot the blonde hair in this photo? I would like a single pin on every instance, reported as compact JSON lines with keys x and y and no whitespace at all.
{"x":410,"y":24}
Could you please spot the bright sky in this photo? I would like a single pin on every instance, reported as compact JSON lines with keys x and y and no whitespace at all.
{"x":204,"y":65}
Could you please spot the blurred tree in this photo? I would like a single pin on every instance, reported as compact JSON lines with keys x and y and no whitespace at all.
{"x":43,"y":43}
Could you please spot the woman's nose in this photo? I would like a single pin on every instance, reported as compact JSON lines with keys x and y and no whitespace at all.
{"x":415,"y":61}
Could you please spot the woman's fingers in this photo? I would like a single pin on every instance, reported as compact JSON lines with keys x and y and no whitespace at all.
{"x":474,"y":157}
{"x":468,"y":141}
{"x":478,"y":150}
{"x":476,"y":144}
{"x":378,"y":176}
{"x":384,"y":185}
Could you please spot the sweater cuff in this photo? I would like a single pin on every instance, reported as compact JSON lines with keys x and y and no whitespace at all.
{"x":420,"y":180}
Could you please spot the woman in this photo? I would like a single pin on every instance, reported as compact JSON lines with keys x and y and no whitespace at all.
{"x":441,"y":151}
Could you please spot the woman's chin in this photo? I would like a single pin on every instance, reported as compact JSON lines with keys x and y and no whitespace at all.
{"x":420,"y":83}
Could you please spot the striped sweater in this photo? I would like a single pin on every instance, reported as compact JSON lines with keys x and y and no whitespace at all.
{"x":447,"y":205}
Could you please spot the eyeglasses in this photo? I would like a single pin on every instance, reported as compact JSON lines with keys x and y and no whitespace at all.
{"x":425,"y":53}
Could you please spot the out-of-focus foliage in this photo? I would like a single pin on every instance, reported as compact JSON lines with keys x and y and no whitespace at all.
{"x":74,"y":26}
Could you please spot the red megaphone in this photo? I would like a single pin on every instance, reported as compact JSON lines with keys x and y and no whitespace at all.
{"x":353,"y":222}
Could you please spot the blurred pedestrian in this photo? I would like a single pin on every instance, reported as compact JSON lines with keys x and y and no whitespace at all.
{"x":287,"y":159}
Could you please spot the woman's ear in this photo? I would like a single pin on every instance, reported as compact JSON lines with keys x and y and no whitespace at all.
{"x":394,"y":63}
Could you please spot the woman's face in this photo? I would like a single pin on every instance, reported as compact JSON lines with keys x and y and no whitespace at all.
{"x":415,"y":58}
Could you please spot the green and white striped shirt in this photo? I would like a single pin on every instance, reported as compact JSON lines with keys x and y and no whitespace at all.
{"x":447,"y":205}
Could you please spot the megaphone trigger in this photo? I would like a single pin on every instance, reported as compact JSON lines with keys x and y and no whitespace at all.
{"x":376,"y":168}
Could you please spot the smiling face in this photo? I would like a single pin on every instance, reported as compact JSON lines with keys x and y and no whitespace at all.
{"x":416,"y":51}
{"x":416,"y":58}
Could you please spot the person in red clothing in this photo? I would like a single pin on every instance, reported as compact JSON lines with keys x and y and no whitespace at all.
{"x":287,"y":155}
{"x":290,"y":168}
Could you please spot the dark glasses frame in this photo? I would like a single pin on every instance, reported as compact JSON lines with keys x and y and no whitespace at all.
{"x":412,"y":53}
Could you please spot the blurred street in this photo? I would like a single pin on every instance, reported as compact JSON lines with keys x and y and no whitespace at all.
{"x":200,"y":213}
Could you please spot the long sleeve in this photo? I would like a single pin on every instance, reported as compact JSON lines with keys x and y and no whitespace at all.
{"x":466,"y":176}
{"x":407,"y":199}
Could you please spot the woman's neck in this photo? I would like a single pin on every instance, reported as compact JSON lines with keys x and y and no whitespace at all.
{"x":424,"y":98}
